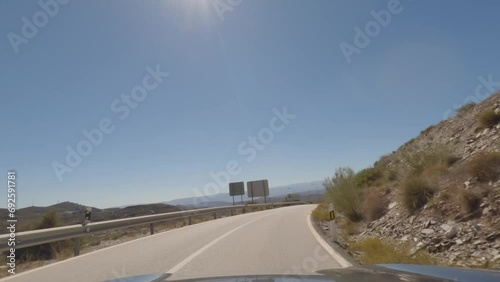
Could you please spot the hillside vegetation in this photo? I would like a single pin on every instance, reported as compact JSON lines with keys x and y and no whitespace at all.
{"x":436,"y":198}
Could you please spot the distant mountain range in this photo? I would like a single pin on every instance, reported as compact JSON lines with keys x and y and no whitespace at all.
{"x":72,"y":213}
{"x":275,"y":194}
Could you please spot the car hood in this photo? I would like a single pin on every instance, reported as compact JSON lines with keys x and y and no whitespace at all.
{"x":375,"y":273}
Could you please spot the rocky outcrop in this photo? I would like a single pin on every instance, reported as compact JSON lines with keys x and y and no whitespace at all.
{"x":441,"y":227}
{"x":459,"y":242}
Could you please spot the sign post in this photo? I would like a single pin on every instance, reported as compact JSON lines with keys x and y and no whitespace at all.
{"x":258,"y":188}
{"x":333,"y":226}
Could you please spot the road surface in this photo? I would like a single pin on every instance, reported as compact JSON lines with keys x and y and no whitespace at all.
{"x":278,"y":241}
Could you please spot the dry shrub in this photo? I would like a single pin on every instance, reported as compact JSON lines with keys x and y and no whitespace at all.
{"x":346,"y":228}
{"x":437,"y":154}
{"x":465,"y":108}
{"x":416,"y":192}
{"x":488,"y":118}
{"x":377,"y":251}
{"x":49,"y":250}
{"x":321,"y":212}
{"x":485,"y":166}
{"x":374,"y":204}
{"x":468,"y":201}
{"x":427,"y":130}
{"x":435,"y":170}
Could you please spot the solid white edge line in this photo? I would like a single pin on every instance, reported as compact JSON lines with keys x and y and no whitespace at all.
{"x":336,"y":256}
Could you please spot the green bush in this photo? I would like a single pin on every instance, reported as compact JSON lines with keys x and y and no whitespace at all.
{"x":368,"y":177}
{"x":488,"y":118}
{"x":383,"y":161}
{"x":343,"y":192}
{"x":391,"y":175}
{"x":485,"y":166}
{"x":465,"y":108}
{"x":415,"y":193}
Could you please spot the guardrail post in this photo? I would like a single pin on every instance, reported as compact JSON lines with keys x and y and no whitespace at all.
{"x":189,"y":220}
{"x":244,"y":211}
{"x":215,"y":215}
{"x":151,"y":229}
{"x":76,"y":247}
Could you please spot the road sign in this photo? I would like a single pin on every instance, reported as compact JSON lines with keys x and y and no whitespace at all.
{"x":236,"y":188}
{"x":259,"y":188}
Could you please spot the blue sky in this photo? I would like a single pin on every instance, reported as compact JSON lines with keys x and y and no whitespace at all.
{"x":228,"y":69}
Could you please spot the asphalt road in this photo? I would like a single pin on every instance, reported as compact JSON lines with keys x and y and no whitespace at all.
{"x":278,"y":241}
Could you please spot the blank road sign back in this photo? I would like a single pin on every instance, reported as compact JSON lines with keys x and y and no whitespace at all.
{"x":236,"y":189}
{"x":258,"y":188}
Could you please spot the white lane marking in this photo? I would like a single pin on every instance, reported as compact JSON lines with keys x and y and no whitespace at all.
{"x":13,"y":277}
{"x":336,"y":256}
{"x":204,"y":248}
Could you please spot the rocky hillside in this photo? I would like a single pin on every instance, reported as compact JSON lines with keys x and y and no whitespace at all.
{"x":461,"y":133}
{"x":457,"y":217}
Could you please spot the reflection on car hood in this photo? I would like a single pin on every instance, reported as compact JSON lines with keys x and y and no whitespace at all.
{"x":375,"y":273}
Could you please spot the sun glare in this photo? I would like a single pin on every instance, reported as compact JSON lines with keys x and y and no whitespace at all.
{"x":193,"y":11}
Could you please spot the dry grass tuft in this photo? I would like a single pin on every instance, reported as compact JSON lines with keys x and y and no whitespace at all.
{"x":485,"y":167}
{"x":488,"y":118}
{"x":465,"y":108}
{"x":468,"y":201}
{"x":321,"y":212}
{"x":416,"y":192}
{"x":376,"y":251}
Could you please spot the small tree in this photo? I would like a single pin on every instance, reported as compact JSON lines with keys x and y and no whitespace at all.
{"x":343,"y":192}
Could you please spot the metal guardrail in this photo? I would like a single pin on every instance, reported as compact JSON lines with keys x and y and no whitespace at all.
{"x":42,"y":236}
